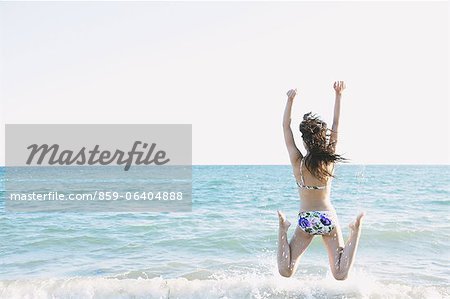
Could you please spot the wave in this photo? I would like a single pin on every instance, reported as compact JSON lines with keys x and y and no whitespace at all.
{"x":359,"y":285}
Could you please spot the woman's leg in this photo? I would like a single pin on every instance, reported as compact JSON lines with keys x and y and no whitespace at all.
{"x":289,"y":253}
{"x":342,"y":256}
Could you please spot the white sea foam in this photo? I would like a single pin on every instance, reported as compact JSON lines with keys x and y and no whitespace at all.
{"x":359,"y":285}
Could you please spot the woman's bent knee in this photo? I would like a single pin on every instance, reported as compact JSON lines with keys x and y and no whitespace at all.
{"x":340,"y":276}
{"x":285,"y":272}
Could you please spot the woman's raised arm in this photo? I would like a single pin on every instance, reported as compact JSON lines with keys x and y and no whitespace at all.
{"x":294,"y":153}
{"x":339,"y":87}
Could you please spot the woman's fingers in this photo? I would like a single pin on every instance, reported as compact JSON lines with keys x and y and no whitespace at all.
{"x":289,"y":93}
{"x":292,"y":92}
{"x":339,"y":85}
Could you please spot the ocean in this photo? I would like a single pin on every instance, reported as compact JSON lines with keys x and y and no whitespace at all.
{"x":226,"y":247}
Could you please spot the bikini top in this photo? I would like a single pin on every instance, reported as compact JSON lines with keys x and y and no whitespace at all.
{"x":302,"y":184}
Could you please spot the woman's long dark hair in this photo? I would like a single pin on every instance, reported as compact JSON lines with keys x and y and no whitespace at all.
{"x":321,"y":152}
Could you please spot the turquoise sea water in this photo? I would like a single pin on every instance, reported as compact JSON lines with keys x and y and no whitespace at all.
{"x":226,"y":247}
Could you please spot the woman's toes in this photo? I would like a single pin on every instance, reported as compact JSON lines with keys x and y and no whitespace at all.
{"x":359,"y":218}
{"x":281,"y":215}
{"x":283,"y":221}
{"x":356,"y":224}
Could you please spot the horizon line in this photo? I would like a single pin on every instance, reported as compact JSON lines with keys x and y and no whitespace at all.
{"x":352,"y":164}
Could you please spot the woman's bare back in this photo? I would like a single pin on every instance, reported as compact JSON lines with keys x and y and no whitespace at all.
{"x":311,"y":199}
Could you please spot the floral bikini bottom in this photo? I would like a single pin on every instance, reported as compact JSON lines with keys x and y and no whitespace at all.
{"x":317,"y":222}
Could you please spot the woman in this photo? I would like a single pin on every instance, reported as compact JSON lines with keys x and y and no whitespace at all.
{"x":313,"y":173}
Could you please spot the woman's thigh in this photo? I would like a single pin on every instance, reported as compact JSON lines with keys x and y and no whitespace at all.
{"x":299,"y":243}
{"x":334,"y":243}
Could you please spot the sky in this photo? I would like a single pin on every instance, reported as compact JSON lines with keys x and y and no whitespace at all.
{"x":225,"y":68}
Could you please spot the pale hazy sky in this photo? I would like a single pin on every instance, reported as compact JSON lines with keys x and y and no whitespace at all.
{"x":225,"y":69}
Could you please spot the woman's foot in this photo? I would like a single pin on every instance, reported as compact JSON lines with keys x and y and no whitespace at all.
{"x":356,"y":225}
{"x":284,"y":223}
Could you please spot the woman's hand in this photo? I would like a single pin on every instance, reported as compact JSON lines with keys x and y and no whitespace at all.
{"x":291,"y":94}
{"x":339,"y":87}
